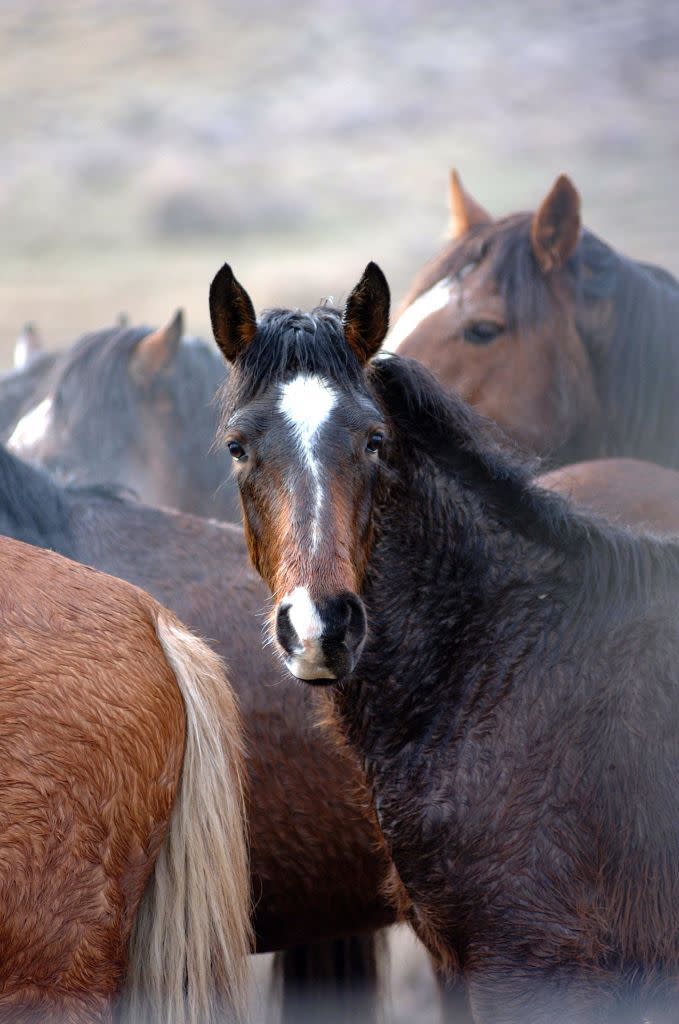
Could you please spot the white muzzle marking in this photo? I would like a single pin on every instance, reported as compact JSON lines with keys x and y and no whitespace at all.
{"x":307,"y":662}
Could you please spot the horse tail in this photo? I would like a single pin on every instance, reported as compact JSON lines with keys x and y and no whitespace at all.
{"x":188,"y":953}
{"x":339,"y":980}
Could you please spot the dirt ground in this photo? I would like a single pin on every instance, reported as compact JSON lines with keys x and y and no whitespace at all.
{"x":144,"y":143}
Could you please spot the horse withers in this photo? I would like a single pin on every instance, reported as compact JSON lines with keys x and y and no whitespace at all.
{"x":123,"y":858}
{"x":504,"y":664}
{"x":544,"y":328}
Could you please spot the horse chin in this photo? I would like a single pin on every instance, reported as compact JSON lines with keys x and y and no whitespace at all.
{"x":310,"y":672}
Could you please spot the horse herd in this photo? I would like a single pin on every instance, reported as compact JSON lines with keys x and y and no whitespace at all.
{"x":488,"y":745}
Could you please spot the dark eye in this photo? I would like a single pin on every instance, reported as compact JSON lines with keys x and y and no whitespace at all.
{"x":374,"y":443}
{"x":482,"y":332}
{"x":236,"y":449}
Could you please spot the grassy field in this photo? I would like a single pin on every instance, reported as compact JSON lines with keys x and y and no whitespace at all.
{"x":144,"y":143}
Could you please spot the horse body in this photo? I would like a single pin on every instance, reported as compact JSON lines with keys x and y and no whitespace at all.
{"x":512,"y":691}
{"x":98,"y":723}
{"x":542,"y":327}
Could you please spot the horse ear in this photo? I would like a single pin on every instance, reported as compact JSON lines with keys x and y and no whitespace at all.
{"x":366,"y":314}
{"x":27,"y":345}
{"x":465,"y":212}
{"x":555,"y":229}
{"x":157,"y":350}
{"x":234,"y":323}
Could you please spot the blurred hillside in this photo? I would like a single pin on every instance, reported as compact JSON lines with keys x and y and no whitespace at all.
{"x":146,"y":142}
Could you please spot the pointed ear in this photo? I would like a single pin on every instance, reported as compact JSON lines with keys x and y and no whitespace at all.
{"x":366,"y":314}
{"x":234,"y":323}
{"x":27,"y":345}
{"x":465,"y":212}
{"x":156,"y":351}
{"x":555,"y":229}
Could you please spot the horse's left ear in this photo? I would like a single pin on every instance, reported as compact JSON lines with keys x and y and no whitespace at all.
{"x":157,"y":350}
{"x":366,"y":314}
{"x":555,"y":229}
{"x":234,"y":323}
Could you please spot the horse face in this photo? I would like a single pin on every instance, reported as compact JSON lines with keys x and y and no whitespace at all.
{"x":494,"y":317}
{"x":306,"y":446}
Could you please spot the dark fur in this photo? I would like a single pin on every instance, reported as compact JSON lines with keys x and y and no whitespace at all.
{"x":516,"y":710}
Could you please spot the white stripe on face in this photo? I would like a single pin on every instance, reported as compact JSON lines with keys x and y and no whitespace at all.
{"x":308,"y":662}
{"x":31,"y":428}
{"x":306,"y":403}
{"x":424,"y":305}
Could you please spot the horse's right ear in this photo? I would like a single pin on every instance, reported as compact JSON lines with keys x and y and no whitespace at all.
{"x":234,"y":323}
{"x":465,"y":212}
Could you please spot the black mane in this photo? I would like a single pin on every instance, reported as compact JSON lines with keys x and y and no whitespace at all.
{"x":614,"y":563}
{"x":289,"y":342}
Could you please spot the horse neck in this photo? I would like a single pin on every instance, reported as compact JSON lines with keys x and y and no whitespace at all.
{"x":639,"y":375}
{"x":33,"y":508}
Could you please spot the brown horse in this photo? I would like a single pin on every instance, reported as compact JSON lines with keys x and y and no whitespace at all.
{"x":317,"y":859}
{"x":112,"y":762}
{"x":569,"y":346}
{"x":504,"y":664}
{"x":100,"y":411}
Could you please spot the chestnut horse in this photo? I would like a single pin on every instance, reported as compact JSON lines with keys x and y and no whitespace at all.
{"x":504,"y":664}
{"x":120,"y":749}
{"x":318,"y":863}
{"x":572,"y":348}
{"x":100,"y":411}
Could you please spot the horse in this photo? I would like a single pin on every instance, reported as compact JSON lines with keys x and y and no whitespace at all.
{"x":544,"y":328}
{"x":503,"y":663}
{"x":123,"y":855}
{"x":100,"y":410}
{"x":318,"y":862}
{"x":94,"y":423}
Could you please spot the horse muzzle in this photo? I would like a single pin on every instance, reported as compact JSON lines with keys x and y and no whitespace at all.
{"x":321,"y":641}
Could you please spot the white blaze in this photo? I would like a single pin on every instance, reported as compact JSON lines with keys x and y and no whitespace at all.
{"x":31,"y":428}
{"x":306,"y":402}
{"x":424,"y":305}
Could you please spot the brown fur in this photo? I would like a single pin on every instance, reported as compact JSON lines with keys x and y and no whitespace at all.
{"x":91,"y":750}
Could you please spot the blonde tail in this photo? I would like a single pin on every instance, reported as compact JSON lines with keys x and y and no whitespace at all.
{"x":192,"y":935}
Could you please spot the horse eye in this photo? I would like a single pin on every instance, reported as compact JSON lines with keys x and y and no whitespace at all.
{"x":236,"y":449}
{"x":374,"y":443}
{"x":482,"y":332}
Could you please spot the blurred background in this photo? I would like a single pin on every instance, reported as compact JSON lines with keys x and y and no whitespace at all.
{"x":145,"y":142}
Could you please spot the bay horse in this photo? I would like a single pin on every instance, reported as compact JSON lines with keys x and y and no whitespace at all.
{"x":571,"y":347}
{"x":317,"y":858}
{"x":123,"y":856}
{"x":100,"y":411}
{"x":504,"y":664}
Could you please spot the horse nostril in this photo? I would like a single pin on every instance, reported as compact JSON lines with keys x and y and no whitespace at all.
{"x":285,"y":632}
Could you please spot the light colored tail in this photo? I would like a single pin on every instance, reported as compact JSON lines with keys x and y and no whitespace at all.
{"x":191,"y":939}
